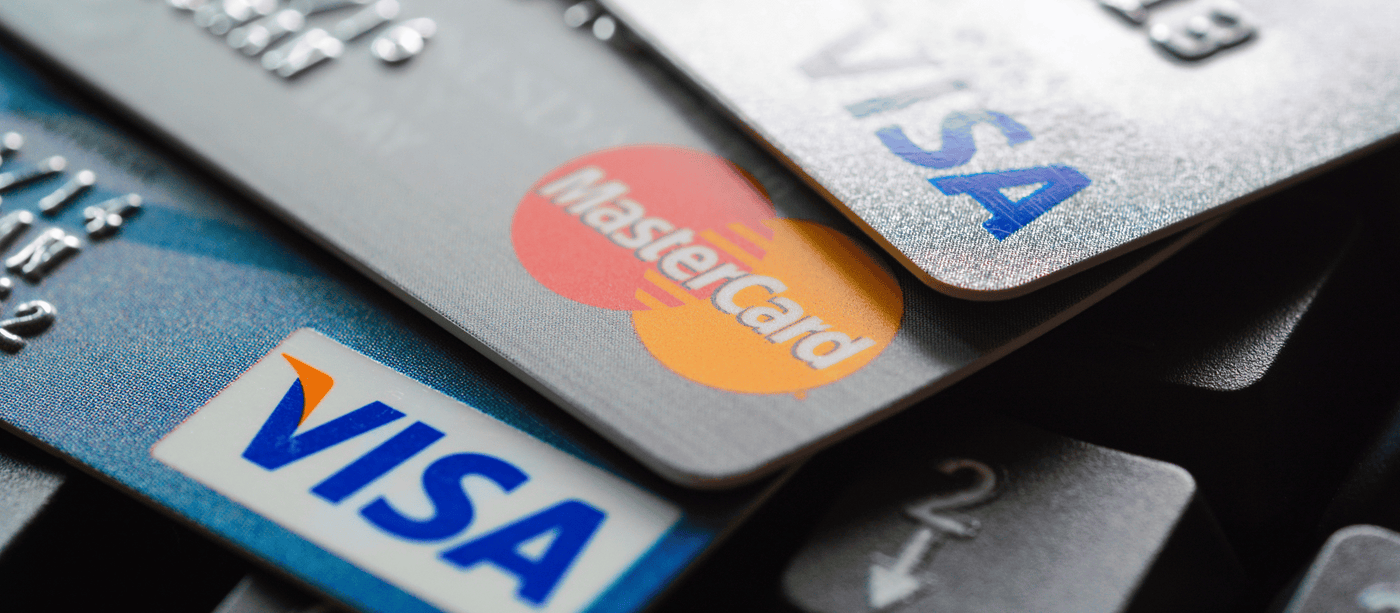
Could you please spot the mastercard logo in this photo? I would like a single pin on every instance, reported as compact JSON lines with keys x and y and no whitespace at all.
{"x":720,"y":290}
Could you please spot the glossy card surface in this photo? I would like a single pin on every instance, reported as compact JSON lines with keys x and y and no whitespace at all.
{"x":125,"y":321}
{"x":565,"y":209}
{"x":995,"y":148}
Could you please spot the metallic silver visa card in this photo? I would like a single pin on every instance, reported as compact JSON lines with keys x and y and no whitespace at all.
{"x":996,"y":147}
{"x":569,"y":211}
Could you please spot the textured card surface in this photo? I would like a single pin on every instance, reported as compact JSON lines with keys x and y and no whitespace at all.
{"x":569,"y":211}
{"x":122,"y":317}
{"x":994,"y":148}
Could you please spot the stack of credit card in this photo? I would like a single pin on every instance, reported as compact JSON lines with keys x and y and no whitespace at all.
{"x":515,"y":305}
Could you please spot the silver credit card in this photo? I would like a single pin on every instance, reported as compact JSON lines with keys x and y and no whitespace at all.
{"x":995,"y":148}
{"x":566,"y":210}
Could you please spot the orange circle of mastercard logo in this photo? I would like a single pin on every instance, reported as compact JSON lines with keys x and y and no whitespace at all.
{"x":721,"y":290}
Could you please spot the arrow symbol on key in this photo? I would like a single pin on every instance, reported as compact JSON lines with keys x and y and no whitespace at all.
{"x":893,"y":583}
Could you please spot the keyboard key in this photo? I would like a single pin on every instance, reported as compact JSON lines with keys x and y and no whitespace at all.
{"x":96,"y":549}
{"x":1367,"y":495}
{"x":1357,"y":571}
{"x":258,"y":593}
{"x":964,"y":514}
{"x":1219,"y":316}
{"x":1370,"y":493}
{"x":28,"y":483}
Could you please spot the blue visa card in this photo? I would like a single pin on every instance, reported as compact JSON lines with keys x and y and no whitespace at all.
{"x":170,"y":337}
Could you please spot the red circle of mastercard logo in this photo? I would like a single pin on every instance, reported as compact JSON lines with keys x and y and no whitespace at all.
{"x":721,"y":290}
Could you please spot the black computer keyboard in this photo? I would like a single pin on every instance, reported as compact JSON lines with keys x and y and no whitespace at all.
{"x":1259,"y":360}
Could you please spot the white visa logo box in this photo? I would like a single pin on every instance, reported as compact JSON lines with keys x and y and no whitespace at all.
{"x":423,"y":491}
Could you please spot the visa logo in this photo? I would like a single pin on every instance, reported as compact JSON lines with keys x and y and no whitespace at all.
{"x":429,"y":494}
{"x":572,"y":522}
